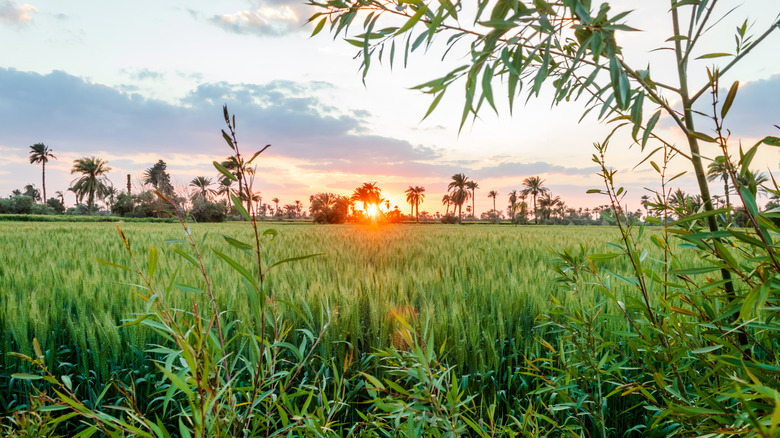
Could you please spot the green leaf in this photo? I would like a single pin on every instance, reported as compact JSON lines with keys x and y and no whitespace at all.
{"x":25,"y":376}
{"x":703,"y":137}
{"x":176,"y":381}
{"x":714,"y":55}
{"x":237,"y":267}
{"x":224,"y":171}
{"x":240,"y":207}
{"x":729,"y":99}
{"x":706,"y":349}
{"x":293,"y":259}
{"x":237,"y":243}
{"x":319,"y":27}
{"x":602,"y":257}
{"x":413,"y":20}
{"x":649,"y":128}
{"x":771,"y":141}
{"x":750,"y":200}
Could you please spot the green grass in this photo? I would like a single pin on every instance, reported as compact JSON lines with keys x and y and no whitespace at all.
{"x":479,"y":289}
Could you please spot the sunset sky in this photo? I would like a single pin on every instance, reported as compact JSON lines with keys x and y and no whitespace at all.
{"x":135,"y":82}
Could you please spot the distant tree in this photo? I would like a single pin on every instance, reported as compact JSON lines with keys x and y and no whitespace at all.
{"x":446,"y":200}
{"x":549,"y":204}
{"x":473,"y":186}
{"x":327,"y":208}
{"x":718,"y":169}
{"x":93,"y":179}
{"x":31,"y":191}
{"x":40,"y":153}
{"x":459,"y":193}
{"x":111,"y":193}
{"x":367,"y":194}
{"x":276,"y":202}
{"x":203,"y":188}
{"x":158,"y":177}
{"x":493,"y":194}
{"x":415,"y":196}
{"x":512,"y":204}
{"x":534,"y":186}
{"x":645,"y":201}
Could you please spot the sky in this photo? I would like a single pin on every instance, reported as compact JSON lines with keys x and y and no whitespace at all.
{"x":136,"y":82}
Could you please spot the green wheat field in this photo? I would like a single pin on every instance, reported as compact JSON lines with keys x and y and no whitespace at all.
{"x":478,"y":289}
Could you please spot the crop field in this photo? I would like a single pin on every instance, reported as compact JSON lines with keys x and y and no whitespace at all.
{"x":478,"y":289}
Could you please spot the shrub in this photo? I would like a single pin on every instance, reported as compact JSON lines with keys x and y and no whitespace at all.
{"x":207,"y":211}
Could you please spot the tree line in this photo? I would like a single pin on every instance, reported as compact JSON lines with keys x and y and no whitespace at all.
{"x":207,"y":199}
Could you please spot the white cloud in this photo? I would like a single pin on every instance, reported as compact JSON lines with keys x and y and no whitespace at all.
{"x":10,"y":13}
{"x":264,"y":18}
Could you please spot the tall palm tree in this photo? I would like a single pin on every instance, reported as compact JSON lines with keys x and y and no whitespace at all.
{"x":446,"y":200}
{"x":719,"y":169}
{"x":534,"y":187}
{"x":415,"y":196}
{"x":459,"y":193}
{"x":203,"y":186}
{"x":493,"y":194}
{"x":473,"y":186}
{"x":367,"y":194}
{"x":276,"y":201}
{"x":512,"y":204}
{"x":93,"y":179}
{"x":40,"y":153}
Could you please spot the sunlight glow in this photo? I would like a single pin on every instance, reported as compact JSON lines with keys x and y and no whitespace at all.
{"x":371,"y":210}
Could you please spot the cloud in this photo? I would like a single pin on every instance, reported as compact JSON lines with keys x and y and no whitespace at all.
{"x":265,"y":18}
{"x":141,"y":74}
{"x":315,"y":147}
{"x":755,"y":109}
{"x":90,"y":118}
{"x":10,"y":13}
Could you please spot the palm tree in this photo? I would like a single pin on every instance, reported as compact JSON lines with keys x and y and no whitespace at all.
{"x":93,"y":180}
{"x":276,"y":201}
{"x":459,"y":193}
{"x":548,"y":204}
{"x":493,"y":194}
{"x":415,"y":196}
{"x":512,"y":204}
{"x":473,"y":186}
{"x":534,"y":187}
{"x":645,"y":201}
{"x":31,"y":191}
{"x":719,"y":169}
{"x":40,"y":153}
{"x":367,"y":194}
{"x":203,"y":185}
{"x":446,"y":200}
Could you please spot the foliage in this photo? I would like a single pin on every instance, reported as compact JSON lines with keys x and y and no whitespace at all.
{"x":327,"y":208}
{"x":93,"y":182}
{"x":207,"y":211}
{"x":697,"y":354}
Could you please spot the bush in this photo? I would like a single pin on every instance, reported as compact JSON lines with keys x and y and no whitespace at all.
{"x":56,"y":205}
{"x":449,"y":219}
{"x":19,"y":204}
{"x":207,"y":211}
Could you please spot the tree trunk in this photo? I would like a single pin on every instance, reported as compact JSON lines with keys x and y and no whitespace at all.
{"x":43,"y":182}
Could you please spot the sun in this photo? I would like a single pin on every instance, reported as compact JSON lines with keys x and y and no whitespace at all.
{"x":371,"y":210}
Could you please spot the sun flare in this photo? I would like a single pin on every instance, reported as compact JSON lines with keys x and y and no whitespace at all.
{"x":371,"y":210}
